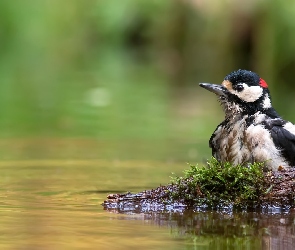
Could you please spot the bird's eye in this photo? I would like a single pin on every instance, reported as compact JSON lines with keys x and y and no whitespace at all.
{"x":239,"y":87}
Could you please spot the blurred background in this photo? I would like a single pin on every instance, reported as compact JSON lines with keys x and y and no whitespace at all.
{"x":110,"y":79}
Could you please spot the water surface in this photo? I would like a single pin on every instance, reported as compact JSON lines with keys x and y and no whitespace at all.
{"x":56,"y":204}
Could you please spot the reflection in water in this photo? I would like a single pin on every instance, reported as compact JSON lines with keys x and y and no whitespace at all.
{"x":216,"y":230}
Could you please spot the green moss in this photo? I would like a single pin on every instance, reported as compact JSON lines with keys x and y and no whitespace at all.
{"x":220,"y":183}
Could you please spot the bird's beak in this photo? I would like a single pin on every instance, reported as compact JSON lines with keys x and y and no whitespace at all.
{"x":215,"y":88}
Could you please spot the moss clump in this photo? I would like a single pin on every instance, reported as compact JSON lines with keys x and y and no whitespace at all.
{"x":220,"y":183}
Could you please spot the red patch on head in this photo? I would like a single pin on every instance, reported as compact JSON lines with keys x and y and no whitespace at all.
{"x":263,"y":83}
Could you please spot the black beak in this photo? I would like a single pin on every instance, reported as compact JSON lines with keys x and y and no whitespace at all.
{"x":215,"y":88}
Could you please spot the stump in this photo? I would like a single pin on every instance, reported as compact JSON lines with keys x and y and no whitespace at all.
{"x":216,"y":186}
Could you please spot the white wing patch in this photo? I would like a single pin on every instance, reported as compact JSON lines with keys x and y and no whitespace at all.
{"x":290,"y":127}
{"x":249,"y":93}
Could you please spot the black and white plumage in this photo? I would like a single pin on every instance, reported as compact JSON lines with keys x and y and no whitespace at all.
{"x":252,"y":130}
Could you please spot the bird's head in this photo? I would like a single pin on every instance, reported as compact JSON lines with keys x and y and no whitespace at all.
{"x":242,"y":91}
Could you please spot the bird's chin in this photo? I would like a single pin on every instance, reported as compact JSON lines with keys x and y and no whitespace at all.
{"x":222,"y":98}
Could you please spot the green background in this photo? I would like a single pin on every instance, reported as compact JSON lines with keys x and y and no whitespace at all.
{"x":119,"y":79}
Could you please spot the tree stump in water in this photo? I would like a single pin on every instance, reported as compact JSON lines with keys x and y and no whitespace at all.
{"x":217,"y":187}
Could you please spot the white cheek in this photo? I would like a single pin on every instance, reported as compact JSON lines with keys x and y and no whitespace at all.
{"x":266,"y":102}
{"x":249,"y":94}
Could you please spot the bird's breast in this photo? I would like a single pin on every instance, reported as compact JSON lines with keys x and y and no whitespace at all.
{"x":242,"y":142}
{"x":230,"y":142}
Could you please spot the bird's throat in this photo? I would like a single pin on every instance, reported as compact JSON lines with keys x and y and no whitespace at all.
{"x":230,"y":109}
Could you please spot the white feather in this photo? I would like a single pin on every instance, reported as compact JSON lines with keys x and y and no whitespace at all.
{"x":266,"y":102}
{"x":249,"y":93}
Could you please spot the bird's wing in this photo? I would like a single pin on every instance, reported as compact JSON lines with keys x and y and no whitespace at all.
{"x":283,"y":138}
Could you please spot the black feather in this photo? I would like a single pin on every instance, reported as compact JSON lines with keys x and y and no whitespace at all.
{"x":244,"y":76}
{"x":282,"y":138}
{"x":224,"y":124}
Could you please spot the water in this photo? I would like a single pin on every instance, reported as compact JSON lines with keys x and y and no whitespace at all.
{"x":56,"y":204}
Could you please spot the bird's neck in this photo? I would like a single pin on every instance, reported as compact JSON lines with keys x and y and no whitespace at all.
{"x":235,"y":111}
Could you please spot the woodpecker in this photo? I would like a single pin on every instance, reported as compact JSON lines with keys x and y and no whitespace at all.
{"x":252,"y":130}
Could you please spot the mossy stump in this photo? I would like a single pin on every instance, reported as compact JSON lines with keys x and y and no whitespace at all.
{"x":214,"y":186}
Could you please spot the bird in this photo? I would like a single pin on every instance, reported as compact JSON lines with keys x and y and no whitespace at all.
{"x":252,"y":130}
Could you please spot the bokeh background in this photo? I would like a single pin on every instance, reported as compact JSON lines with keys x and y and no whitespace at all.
{"x":118,"y":79}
